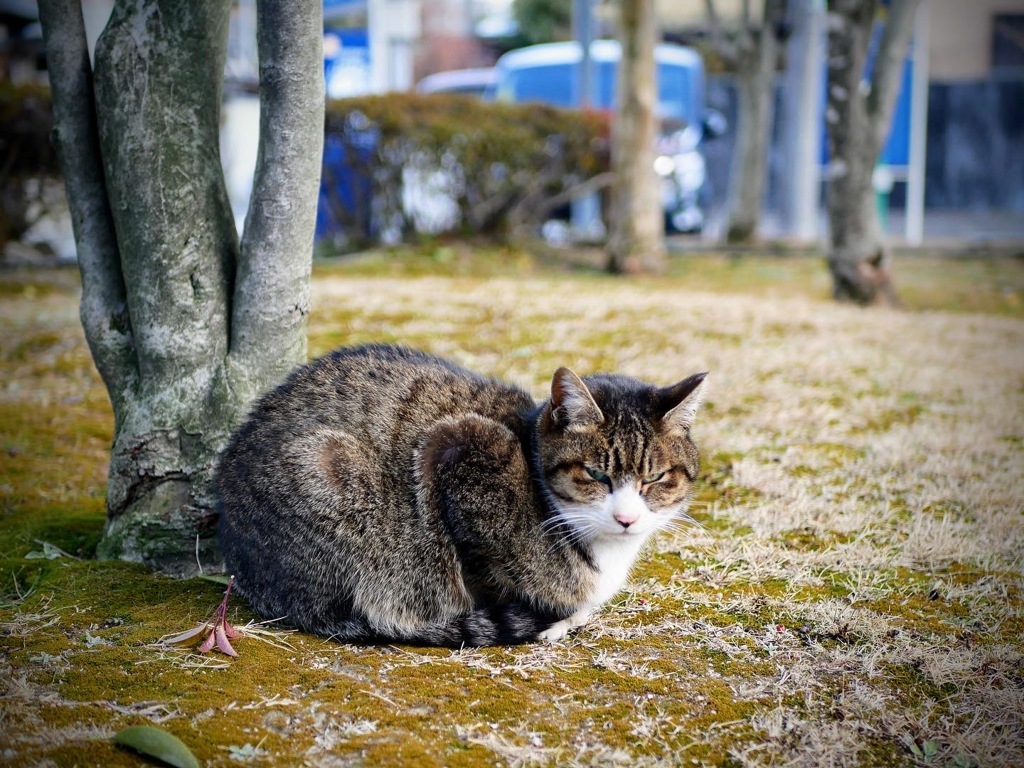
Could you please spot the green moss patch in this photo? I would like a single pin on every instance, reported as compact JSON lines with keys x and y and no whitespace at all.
{"x":849,"y":591}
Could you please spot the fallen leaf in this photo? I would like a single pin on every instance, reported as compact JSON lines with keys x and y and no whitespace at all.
{"x":186,"y":636}
{"x":222,"y":641}
{"x":207,"y":644}
{"x":157,"y":743}
{"x":231,"y":631}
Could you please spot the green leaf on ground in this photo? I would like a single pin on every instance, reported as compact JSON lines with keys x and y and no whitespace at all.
{"x":216,"y":579}
{"x":48,"y":552}
{"x":157,"y":743}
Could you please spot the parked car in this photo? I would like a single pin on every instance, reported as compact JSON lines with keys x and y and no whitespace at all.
{"x":550,"y":73}
{"x":472,"y":82}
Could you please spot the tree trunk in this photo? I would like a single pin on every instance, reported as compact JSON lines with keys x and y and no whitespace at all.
{"x":755,"y":74}
{"x":858,"y":123}
{"x":636,"y":241}
{"x":184,"y":328}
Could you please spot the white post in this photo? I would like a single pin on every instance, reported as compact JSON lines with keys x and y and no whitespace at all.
{"x":392,"y":28}
{"x":918,"y":129}
{"x":802,"y":111}
{"x":377,"y":40}
{"x":585,"y":212}
{"x":583,"y":32}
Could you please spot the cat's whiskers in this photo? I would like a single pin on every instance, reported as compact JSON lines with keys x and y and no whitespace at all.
{"x":682,"y":517}
{"x":579,"y":531}
{"x":556,"y":533}
{"x":571,"y":525}
{"x":685,"y":518}
{"x":571,"y":536}
{"x":672,"y":527}
{"x":552,"y":524}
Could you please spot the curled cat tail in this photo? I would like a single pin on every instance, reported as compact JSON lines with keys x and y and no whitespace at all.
{"x":509,"y":624}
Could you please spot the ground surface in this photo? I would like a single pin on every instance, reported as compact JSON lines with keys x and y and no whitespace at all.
{"x":852,"y":595}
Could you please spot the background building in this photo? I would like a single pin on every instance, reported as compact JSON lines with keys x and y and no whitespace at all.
{"x":974,"y":148}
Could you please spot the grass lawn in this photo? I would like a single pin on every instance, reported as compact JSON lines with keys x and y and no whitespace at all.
{"x":851,"y":595}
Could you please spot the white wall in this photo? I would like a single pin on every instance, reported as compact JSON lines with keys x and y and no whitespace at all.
{"x":961,"y":36}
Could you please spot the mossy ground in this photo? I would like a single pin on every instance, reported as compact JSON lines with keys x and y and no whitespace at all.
{"x":852,"y":592}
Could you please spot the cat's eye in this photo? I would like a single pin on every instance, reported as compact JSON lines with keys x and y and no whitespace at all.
{"x":596,"y":474}
{"x":653,"y":478}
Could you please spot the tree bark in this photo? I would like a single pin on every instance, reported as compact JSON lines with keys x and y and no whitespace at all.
{"x":757,"y":55}
{"x":271,"y":300}
{"x":184,"y":330}
{"x":858,"y":121}
{"x":104,"y":308}
{"x":636,"y":239}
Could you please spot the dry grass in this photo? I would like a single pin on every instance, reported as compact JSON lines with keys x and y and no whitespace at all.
{"x":852,"y":594}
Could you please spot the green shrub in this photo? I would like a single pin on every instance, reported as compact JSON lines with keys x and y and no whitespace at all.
{"x":27,"y":158}
{"x":491,"y":168}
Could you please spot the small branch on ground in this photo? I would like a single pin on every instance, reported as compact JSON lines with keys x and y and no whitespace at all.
{"x":220,"y":630}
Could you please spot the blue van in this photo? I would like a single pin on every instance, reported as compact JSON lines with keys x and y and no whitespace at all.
{"x":550,"y":74}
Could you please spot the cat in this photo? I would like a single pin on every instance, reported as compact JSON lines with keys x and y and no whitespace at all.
{"x":381,"y":494}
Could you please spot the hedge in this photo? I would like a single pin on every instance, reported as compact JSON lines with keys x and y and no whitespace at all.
{"x":399,"y":164}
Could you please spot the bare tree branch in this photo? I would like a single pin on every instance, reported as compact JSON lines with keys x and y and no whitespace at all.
{"x":723,"y":46}
{"x":104,"y":310}
{"x":482,"y":213}
{"x":774,"y":12}
{"x":887,"y":74}
{"x":849,"y":34}
{"x":715,"y":23}
{"x":272,"y":292}
{"x":580,"y":189}
{"x":1011,"y":34}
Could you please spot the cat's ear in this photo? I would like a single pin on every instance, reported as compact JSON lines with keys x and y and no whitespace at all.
{"x":572,"y":405}
{"x":682,"y":401}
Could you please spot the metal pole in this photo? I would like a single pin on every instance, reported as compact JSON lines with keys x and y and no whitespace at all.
{"x":583,"y":33}
{"x":380,"y":46}
{"x":918,"y":129}
{"x":585,"y":212}
{"x":803,"y":92}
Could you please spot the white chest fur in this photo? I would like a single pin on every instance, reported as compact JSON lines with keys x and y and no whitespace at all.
{"x":614,"y":559}
{"x":614,"y":555}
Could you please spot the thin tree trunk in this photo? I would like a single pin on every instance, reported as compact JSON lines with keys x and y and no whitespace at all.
{"x":636,"y":241}
{"x":104,"y":307}
{"x":271,"y":299}
{"x":184,"y":331}
{"x":858,"y":122}
{"x":755,"y":75}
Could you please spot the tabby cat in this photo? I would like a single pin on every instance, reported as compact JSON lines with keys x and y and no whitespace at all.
{"x":383,"y":494}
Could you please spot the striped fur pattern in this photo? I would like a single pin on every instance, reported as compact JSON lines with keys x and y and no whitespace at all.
{"x":384,"y":495}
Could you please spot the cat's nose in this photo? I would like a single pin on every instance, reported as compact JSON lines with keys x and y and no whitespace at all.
{"x":625,"y":519}
{"x":627,"y":506}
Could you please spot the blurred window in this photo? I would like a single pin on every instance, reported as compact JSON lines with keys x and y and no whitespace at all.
{"x":1008,"y":41}
{"x":551,"y":84}
{"x":555,"y":84}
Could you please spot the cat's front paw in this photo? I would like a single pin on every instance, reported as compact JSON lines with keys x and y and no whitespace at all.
{"x":560,"y":629}
{"x":555,"y":632}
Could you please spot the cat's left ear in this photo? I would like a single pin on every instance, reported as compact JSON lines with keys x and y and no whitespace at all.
{"x":682,"y":401}
{"x":572,"y":405}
